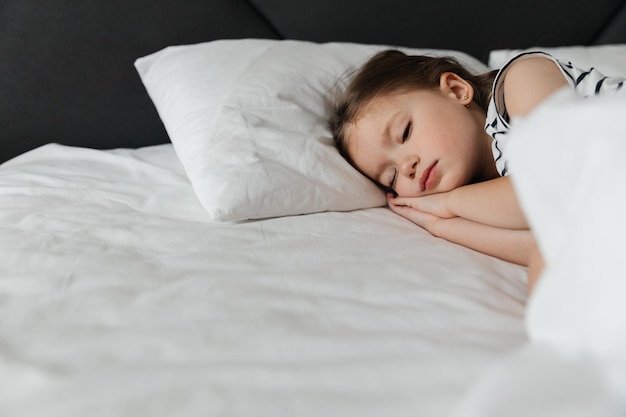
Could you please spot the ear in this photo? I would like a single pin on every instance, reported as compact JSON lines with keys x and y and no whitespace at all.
{"x":457,"y":87}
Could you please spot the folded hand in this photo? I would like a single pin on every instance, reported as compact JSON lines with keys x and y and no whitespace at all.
{"x":424,"y":211}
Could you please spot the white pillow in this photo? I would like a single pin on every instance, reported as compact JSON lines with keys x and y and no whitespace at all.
{"x":608,"y":59}
{"x":248,"y":120}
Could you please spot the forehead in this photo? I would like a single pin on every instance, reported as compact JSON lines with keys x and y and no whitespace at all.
{"x":367,"y":136}
{"x":374,"y":119}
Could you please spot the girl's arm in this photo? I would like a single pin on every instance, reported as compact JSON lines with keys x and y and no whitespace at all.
{"x":491,"y":202}
{"x":529,"y":82}
{"x":515,"y":246}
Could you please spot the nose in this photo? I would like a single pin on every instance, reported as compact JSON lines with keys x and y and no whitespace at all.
{"x":408,"y":167}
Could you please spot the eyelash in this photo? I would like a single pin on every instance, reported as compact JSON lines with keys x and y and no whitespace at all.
{"x":405,"y":136}
{"x":407,"y":132}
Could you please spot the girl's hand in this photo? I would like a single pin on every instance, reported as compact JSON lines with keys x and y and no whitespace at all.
{"x":435,"y":204}
{"x":425,"y":212}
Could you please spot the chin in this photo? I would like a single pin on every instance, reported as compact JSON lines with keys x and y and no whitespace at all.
{"x":448,"y":184}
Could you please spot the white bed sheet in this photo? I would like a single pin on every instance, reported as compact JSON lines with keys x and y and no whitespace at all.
{"x":118,"y":297}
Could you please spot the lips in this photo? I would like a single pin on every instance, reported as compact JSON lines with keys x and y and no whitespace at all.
{"x":428,"y":177}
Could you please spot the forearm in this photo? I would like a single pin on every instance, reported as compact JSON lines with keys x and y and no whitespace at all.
{"x":492,"y":202}
{"x":513,"y":245}
{"x":508,"y":243}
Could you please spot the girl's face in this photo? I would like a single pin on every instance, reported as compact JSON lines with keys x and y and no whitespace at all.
{"x":422,"y":142}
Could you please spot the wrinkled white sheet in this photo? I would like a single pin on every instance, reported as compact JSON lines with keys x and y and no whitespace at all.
{"x":118,"y":297}
{"x":568,"y":164}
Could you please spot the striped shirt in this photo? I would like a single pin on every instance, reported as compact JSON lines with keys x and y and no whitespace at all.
{"x":585,"y":82}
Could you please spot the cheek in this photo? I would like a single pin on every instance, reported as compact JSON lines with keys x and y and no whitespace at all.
{"x":406,"y":188}
{"x":459,"y":138}
{"x":454,"y":179}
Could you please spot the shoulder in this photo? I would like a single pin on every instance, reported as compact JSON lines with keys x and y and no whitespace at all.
{"x":529,"y":81}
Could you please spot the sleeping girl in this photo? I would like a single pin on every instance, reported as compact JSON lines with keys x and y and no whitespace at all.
{"x":434,"y":136}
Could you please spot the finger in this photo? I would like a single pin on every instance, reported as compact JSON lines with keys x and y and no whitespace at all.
{"x":407,"y":212}
{"x":420,"y":218}
{"x":398,"y":201}
{"x":393,"y":200}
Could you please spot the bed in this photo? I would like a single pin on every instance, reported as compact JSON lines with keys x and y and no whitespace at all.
{"x":180,"y":237}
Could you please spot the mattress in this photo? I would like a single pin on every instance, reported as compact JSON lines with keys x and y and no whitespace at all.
{"x":120,"y":297}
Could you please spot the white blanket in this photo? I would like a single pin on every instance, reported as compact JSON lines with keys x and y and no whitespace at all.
{"x":569,"y":167}
{"x":118,"y":297}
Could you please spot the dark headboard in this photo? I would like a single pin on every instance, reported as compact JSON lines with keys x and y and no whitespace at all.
{"x":475,"y":27}
{"x":66,"y":67}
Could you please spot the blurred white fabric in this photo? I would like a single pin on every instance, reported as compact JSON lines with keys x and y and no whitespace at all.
{"x":568,"y":157}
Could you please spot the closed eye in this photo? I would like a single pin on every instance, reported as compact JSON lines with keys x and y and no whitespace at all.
{"x":393,"y":180}
{"x":407,"y":132}
{"x":405,"y":135}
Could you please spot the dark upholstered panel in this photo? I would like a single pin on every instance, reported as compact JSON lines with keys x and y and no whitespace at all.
{"x":66,"y":66}
{"x":475,"y":27}
{"x":614,"y":31}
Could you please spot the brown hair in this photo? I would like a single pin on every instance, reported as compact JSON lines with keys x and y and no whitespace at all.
{"x":391,"y":71}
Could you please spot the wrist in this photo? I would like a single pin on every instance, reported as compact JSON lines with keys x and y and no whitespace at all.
{"x":452,"y":201}
{"x":443,"y":228}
